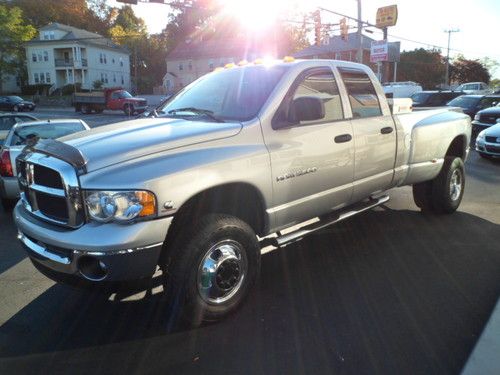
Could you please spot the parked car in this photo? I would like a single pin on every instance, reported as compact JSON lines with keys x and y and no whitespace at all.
{"x":8,"y":120}
{"x":27,"y":134}
{"x":112,"y":98}
{"x":433,"y":98}
{"x":475,"y":88}
{"x":401,"y":89}
{"x":15,"y":104}
{"x":472,"y":104}
{"x":488,"y":142}
{"x":240,"y":154}
{"x":486,"y":118}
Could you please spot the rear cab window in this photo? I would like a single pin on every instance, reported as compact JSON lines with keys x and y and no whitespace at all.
{"x":361,"y":92}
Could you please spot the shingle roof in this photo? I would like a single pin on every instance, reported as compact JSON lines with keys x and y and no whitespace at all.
{"x":336,"y":44}
{"x":80,"y":35}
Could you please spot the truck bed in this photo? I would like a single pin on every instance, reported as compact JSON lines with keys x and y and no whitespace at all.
{"x":96,"y":97}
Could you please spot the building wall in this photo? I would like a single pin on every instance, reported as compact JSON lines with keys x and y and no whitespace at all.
{"x":110,"y":66}
{"x":189,"y":70}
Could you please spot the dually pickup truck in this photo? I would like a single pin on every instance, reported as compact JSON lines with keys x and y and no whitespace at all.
{"x":221,"y":169}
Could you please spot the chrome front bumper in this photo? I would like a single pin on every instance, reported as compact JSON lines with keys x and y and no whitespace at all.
{"x":126,"y":252}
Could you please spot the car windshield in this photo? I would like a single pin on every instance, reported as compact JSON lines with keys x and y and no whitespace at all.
{"x":420,"y":97}
{"x":234,"y":94}
{"x":23,"y":135}
{"x":489,"y":102}
{"x":15,"y":99}
{"x":124,"y":95}
{"x":463,"y":102}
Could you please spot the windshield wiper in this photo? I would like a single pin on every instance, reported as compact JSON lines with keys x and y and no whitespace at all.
{"x":200,"y":111}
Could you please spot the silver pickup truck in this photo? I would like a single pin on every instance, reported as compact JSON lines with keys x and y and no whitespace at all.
{"x":222,"y":169}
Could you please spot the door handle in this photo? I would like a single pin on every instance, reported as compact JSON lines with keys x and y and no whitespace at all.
{"x":386,"y":130}
{"x":343,"y":138}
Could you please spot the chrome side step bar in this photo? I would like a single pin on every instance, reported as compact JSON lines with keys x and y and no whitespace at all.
{"x":286,"y":239}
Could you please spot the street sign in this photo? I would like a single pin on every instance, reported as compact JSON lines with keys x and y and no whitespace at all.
{"x":379,"y":51}
{"x":387,"y":16}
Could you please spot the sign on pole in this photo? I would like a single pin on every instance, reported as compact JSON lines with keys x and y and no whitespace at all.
{"x":387,"y":16}
{"x":379,"y":51}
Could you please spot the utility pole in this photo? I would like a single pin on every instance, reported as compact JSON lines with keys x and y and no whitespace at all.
{"x":359,"y":36}
{"x":447,"y":77}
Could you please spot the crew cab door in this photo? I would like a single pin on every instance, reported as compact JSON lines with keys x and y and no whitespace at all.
{"x":312,"y":162}
{"x":374,"y":134}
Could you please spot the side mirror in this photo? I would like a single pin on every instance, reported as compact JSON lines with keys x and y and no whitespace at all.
{"x":306,"y":108}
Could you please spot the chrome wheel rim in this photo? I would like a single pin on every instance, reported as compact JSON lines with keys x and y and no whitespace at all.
{"x":455,"y":185}
{"x":221,"y":272}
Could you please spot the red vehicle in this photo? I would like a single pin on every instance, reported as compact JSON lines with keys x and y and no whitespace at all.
{"x":112,"y":98}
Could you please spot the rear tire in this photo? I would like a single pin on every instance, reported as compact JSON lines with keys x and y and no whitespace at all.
{"x":8,"y":204}
{"x":444,"y":194}
{"x":210,"y":269}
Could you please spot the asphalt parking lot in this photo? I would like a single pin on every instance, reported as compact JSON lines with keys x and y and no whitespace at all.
{"x":388,"y":292}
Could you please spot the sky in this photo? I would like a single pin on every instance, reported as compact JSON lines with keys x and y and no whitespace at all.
{"x":423,"y":21}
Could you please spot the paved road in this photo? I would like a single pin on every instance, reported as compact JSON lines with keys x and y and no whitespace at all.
{"x":389,"y":292}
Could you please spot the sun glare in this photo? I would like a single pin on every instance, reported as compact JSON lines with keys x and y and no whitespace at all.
{"x":255,"y":15}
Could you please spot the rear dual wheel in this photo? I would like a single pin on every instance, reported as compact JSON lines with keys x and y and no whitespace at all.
{"x":444,"y":194}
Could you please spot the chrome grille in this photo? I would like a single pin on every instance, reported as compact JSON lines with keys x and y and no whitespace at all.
{"x":50,"y":189}
{"x":488,"y":119}
{"x":490,"y":139}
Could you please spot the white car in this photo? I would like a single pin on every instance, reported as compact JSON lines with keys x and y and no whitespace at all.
{"x":401,"y":89}
{"x":475,"y":88}
{"x":488,"y":142}
{"x":21,"y":135}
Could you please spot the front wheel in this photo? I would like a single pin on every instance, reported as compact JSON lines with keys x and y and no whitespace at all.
{"x":444,"y":194}
{"x":211,"y":268}
{"x":128,"y":109}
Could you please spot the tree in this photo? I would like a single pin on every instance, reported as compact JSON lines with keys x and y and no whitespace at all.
{"x":13,"y":33}
{"x":463,"y":70}
{"x":69,"y":12}
{"x":426,"y":67}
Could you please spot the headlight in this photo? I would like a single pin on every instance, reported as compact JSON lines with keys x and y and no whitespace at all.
{"x":481,"y":135}
{"x":476,"y":117}
{"x":120,"y":206}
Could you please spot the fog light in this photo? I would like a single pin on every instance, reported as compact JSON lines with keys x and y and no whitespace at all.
{"x":92,"y":269}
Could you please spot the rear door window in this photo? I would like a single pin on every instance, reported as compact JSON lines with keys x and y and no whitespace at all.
{"x":7,"y":122}
{"x":362,"y":95}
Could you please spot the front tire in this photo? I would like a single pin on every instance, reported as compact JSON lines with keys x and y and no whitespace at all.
{"x":444,"y":194}
{"x":128,"y":109}
{"x":210,"y":269}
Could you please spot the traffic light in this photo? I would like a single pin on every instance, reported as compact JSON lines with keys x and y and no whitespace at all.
{"x":317,"y":27}
{"x":344,"y":29}
{"x":134,"y":2}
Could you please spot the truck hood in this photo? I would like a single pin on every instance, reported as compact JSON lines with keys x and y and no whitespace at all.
{"x":493,"y":131}
{"x":119,"y":142}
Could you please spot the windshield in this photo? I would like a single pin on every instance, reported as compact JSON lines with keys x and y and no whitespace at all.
{"x":489,"y":102}
{"x":420,"y":97}
{"x":124,"y":95}
{"x":463,"y":102}
{"x":29,"y":134}
{"x":15,"y":99}
{"x":235,"y":94}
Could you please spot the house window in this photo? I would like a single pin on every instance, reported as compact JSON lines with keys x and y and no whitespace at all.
{"x":105,"y":60}
{"x":181,"y":67}
{"x":114,"y":77}
{"x":37,"y":80}
{"x":123,"y":81}
{"x":33,"y":57}
{"x":121,"y":61}
{"x":45,"y":56}
{"x":42,"y":77}
{"x":46,"y":36}
{"x":101,"y":59}
{"x":113,"y":61}
{"x":47,"y":77}
{"x":70,"y":76}
{"x":190,"y":66}
{"x":167,"y":84}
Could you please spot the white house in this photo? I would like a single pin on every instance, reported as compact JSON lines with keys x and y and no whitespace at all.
{"x":63,"y":55}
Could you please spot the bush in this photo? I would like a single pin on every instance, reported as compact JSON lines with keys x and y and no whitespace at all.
{"x":70,"y":89}
{"x":40,"y":89}
{"x":97,"y":84}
